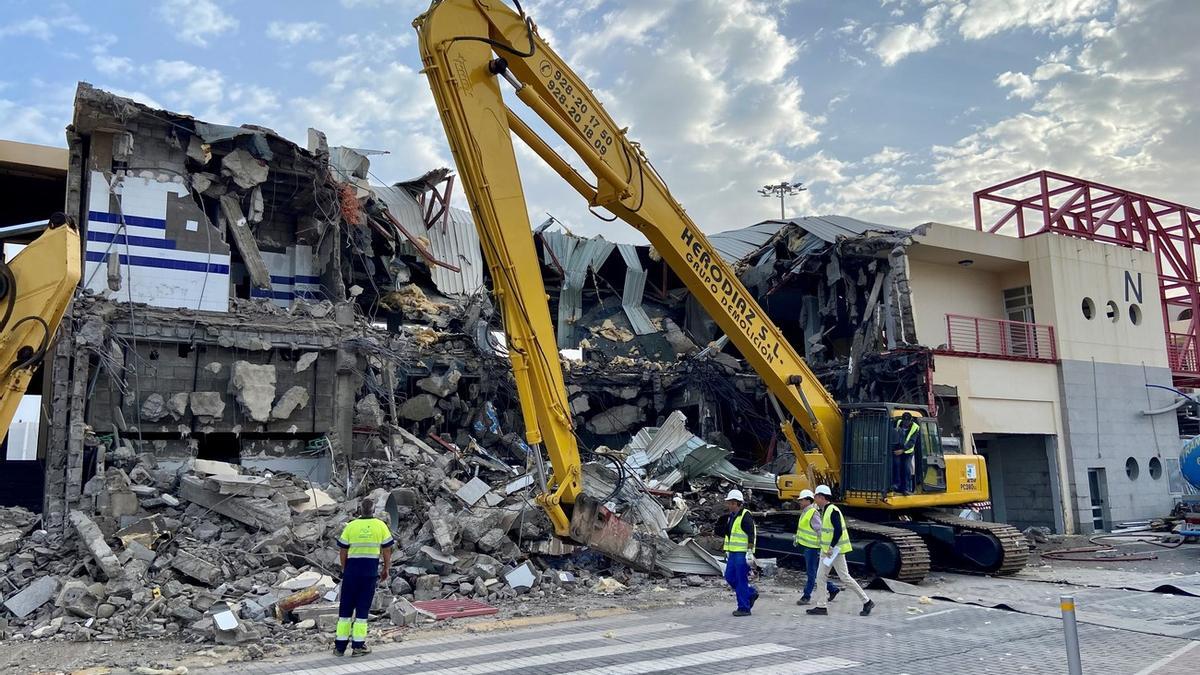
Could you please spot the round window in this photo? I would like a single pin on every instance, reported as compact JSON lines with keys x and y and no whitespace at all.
{"x":1131,"y":468}
{"x":1155,"y":468}
{"x":1114,"y":312}
{"x":1089,"y":309}
{"x":1135,"y":315}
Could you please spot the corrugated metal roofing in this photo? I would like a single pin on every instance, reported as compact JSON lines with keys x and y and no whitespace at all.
{"x":455,"y":242}
{"x":634,"y":289}
{"x":734,"y":245}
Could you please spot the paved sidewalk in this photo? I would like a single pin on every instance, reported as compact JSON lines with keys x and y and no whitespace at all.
{"x":899,"y":637}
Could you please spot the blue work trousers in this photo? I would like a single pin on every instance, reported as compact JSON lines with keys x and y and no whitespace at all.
{"x":812,"y":558}
{"x":358,"y":590}
{"x":737,"y":575}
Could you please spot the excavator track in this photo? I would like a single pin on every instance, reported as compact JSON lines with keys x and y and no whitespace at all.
{"x":1014,"y":548}
{"x":914,"y":555}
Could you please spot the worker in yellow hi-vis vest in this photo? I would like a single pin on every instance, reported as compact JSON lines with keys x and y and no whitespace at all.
{"x":363,"y":542}
{"x":835,"y":544}
{"x":737,"y":527}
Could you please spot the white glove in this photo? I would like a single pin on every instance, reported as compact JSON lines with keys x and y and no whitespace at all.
{"x":750,"y":560}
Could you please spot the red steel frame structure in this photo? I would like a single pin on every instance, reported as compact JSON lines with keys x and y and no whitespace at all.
{"x":1045,"y":201}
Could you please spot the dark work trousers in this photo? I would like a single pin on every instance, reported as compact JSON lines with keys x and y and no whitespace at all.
{"x":358,"y":589}
{"x":902,"y":473}
{"x":737,"y":575}
{"x":812,"y":558}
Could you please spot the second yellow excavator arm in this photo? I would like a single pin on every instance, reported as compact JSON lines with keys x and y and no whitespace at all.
{"x":469,"y":48}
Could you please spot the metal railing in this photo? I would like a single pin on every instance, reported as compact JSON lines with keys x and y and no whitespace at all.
{"x":1181,"y":353}
{"x":1000,"y":338}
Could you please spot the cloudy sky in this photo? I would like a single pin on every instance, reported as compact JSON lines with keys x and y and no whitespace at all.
{"x":889,"y":110}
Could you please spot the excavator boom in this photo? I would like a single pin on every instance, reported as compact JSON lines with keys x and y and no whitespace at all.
{"x":469,"y":49}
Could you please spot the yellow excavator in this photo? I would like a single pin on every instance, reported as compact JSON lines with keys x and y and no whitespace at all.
{"x":36,"y":288}
{"x":471,"y":49}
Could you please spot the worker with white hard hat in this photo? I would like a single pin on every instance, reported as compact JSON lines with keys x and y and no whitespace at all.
{"x":737,"y":527}
{"x":808,"y":538}
{"x":835,"y":544}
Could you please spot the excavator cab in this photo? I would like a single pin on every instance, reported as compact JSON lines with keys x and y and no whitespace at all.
{"x":871,"y":435}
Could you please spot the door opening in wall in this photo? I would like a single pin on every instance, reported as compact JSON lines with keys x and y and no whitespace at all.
{"x":219,"y":447}
{"x":1098,"y":493}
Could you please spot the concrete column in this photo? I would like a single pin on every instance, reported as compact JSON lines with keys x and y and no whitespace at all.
{"x":345,"y":387}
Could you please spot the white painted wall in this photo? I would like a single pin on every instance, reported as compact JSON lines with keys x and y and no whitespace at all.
{"x":23,"y":432}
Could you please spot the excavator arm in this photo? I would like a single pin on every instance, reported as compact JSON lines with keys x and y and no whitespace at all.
{"x":471,"y":49}
{"x":35,"y":289}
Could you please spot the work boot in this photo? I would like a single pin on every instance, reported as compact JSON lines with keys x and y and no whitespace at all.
{"x":339,"y":652}
{"x":867,"y":608}
{"x":360,"y":651}
{"x":741,"y":612}
{"x":834,"y":593}
{"x":821,"y":611}
{"x":753,"y":599}
{"x":804,"y":600}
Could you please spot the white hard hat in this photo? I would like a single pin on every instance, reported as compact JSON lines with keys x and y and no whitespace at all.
{"x":806,"y":494}
{"x":824,"y":490}
{"x":735,"y":495}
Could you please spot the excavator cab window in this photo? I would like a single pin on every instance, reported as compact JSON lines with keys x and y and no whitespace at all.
{"x":867,"y":457}
{"x":931,"y":463}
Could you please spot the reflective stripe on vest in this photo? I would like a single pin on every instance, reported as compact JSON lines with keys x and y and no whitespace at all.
{"x":737,"y":540}
{"x":909,"y":445}
{"x":806,"y":536}
{"x":365,"y":537}
{"x":843,"y":544}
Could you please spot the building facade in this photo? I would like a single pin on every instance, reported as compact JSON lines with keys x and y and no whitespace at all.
{"x":1050,"y":359}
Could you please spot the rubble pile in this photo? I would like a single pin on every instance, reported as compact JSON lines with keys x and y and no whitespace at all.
{"x":215,"y":552}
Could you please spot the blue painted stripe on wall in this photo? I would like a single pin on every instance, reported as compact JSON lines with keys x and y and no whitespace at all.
{"x":132,"y":240}
{"x":161,"y":263}
{"x":140,"y":221}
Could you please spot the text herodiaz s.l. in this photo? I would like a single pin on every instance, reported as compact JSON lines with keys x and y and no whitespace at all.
{"x":731,"y":295}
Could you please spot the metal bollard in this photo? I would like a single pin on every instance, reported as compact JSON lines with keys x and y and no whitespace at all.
{"x":1067,"y":604}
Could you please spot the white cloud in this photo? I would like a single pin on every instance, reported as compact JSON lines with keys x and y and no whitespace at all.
{"x":900,"y":41}
{"x":45,"y":28}
{"x":295,"y":32}
{"x":31,"y":124}
{"x":1121,"y":111}
{"x":979,"y":19}
{"x":1019,"y":85}
{"x":112,"y":65}
{"x":196,"y":21}
{"x":888,"y":155}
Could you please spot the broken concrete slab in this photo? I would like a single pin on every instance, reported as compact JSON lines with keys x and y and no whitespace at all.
{"x":260,"y":513}
{"x":615,"y":420}
{"x":243,"y":238}
{"x":293,"y":399}
{"x":428,"y":587}
{"x":32,"y":596}
{"x":242,"y":486}
{"x":254,"y":388}
{"x":196,"y":568}
{"x":144,"y":532}
{"x":212,"y":467}
{"x":403,"y":613}
{"x":418,"y":408}
{"x":76,"y":598}
{"x":207,"y":404}
{"x":441,"y":386}
{"x":92,"y":540}
{"x":154,"y":408}
{"x":306,"y":359}
{"x":245,"y":169}
{"x":368,"y":412}
{"x":473,"y":491}
{"x":177,"y":404}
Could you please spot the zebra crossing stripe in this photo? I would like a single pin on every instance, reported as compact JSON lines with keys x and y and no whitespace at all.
{"x":491,"y":650}
{"x":698,"y":659}
{"x":819,"y":665}
{"x":486,"y":665}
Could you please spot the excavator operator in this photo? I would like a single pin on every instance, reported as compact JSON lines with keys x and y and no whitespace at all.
{"x":908,"y":439}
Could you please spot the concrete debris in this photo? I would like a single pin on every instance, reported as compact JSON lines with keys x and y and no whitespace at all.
{"x":92,"y":539}
{"x":418,"y":408}
{"x":305,"y":361}
{"x":254,"y":387}
{"x":295,"y":398}
{"x":246,"y":170}
{"x":207,"y":404}
{"x":615,"y":420}
{"x":441,"y":386}
{"x":368,"y":412}
{"x":32,"y":597}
